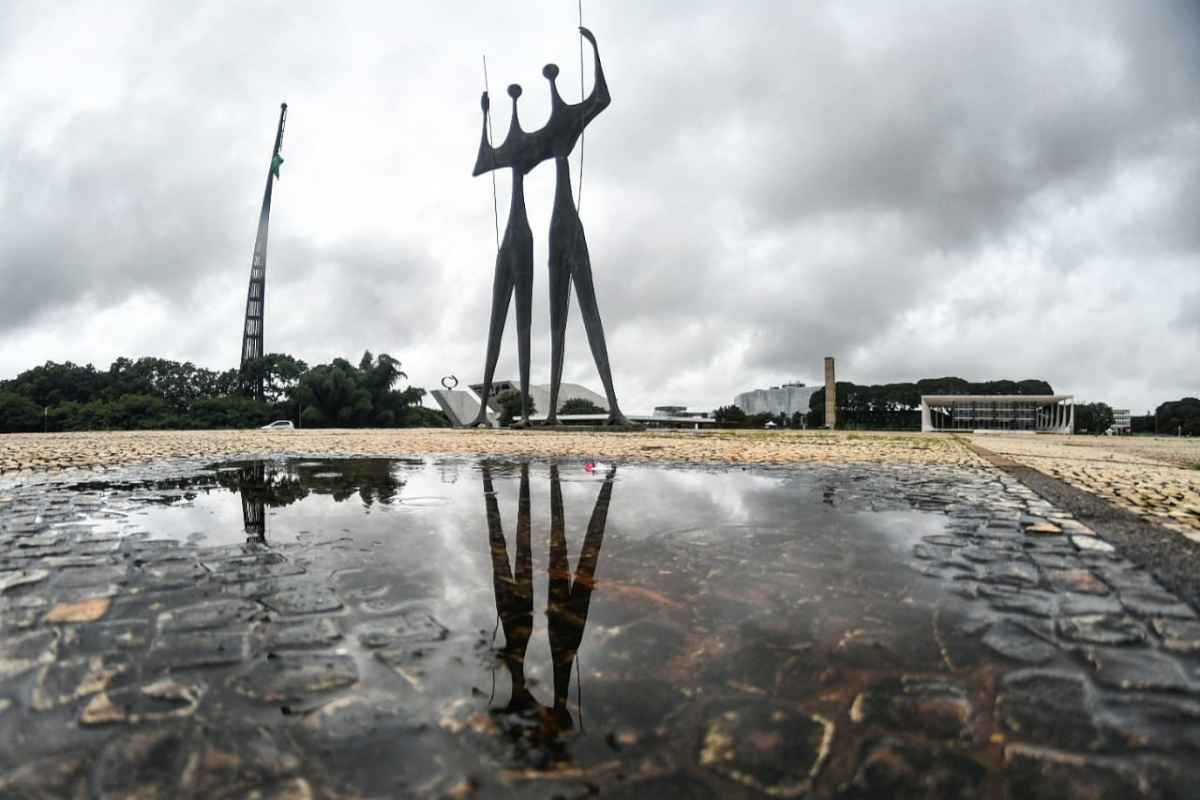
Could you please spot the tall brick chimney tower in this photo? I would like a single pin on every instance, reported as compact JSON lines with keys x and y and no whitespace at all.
{"x":830,"y":395}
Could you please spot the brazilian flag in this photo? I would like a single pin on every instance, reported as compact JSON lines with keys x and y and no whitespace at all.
{"x":276,"y":163}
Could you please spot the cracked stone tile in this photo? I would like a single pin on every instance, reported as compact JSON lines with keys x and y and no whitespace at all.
{"x":1151,"y":722}
{"x":1075,"y":580}
{"x":1074,"y":605}
{"x":21,"y":653}
{"x":1040,"y":773}
{"x":153,"y":702}
{"x":145,"y":764}
{"x":208,"y":614}
{"x":248,"y":762}
{"x":411,"y":627}
{"x":1156,"y":604}
{"x":768,"y":748}
{"x":57,"y":776}
{"x":1092,"y":544}
{"x":1138,"y":669}
{"x":1107,"y":629}
{"x":105,"y":637}
{"x":1179,"y":635}
{"x":291,"y":677}
{"x":935,"y":708}
{"x":199,"y":649}
{"x":893,"y":768}
{"x":69,"y":680}
{"x":304,"y":600}
{"x":317,"y":632}
{"x":86,"y":610}
{"x":363,"y":714}
{"x":21,"y":577}
{"x":1016,"y":641}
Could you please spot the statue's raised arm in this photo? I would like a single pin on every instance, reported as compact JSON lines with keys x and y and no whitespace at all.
{"x":599,"y":99}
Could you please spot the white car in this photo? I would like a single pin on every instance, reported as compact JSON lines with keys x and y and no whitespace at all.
{"x":279,"y":425}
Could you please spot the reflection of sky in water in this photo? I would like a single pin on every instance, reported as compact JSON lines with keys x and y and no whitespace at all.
{"x":673,"y":536}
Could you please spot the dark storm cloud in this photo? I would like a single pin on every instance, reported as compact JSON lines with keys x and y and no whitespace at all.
{"x":919,"y":190}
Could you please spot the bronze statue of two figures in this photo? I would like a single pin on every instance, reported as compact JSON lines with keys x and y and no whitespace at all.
{"x":521,"y":151}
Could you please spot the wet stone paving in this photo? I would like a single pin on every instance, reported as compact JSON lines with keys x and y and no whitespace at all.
{"x":366,"y":627}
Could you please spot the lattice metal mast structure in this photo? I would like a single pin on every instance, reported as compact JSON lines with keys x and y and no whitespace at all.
{"x":256,"y":295}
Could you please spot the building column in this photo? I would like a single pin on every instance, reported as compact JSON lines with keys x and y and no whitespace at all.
{"x":830,"y":395}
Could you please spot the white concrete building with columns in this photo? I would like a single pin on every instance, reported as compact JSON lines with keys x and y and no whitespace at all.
{"x":1051,"y":413}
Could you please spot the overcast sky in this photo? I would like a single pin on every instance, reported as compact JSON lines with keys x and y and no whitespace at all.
{"x":988,"y":190}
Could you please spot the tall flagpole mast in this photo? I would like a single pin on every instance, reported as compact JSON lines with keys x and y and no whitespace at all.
{"x":256,"y":295}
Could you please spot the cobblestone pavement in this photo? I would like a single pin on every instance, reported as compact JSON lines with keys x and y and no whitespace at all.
{"x":355,"y":630}
{"x":1155,"y":477}
{"x":72,"y":450}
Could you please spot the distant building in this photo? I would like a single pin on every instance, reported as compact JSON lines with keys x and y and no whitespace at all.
{"x":540,"y":394}
{"x":786,"y":399}
{"x":679,"y":411}
{"x":998,"y":412}
{"x":1122,"y":422}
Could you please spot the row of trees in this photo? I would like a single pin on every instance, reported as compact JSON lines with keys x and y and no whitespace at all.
{"x":897,"y":406}
{"x":156,"y":393}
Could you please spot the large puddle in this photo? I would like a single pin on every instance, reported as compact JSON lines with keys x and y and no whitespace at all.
{"x":378,"y":628}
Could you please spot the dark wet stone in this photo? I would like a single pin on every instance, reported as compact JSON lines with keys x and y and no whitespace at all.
{"x":1179,"y":635}
{"x":258,"y":572}
{"x":1110,"y":629}
{"x":678,"y":786}
{"x":1075,"y":580}
{"x":1156,"y":604}
{"x":304,"y":600}
{"x":170,"y":575}
{"x":1049,"y":707}
{"x":11,"y":579}
{"x":198,"y":649}
{"x":893,"y":768}
{"x":416,"y":626}
{"x":68,"y":680}
{"x":107,"y":637}
{"x":1022,"y":601}
{"x":984,"y":555}
{"x":1015,"y":572}
{"x":1017,"y":642}
{"x":25,"y":651}
{"x":641,"y":643}
{"x":141,"y":765}
{"x":1039,"y":773}
{"x":209,"y":614}
{"x":1074,"y":605}
{"x":938,"y":709}
{"x":362,"y":715}
{"x":1054,"y":560}
{"x":318,"y":632}
{"x":765,"y":746}
{"x":58,"y":776}
{"x":1151,"y":722}
{"x":292,"y":677}
{"x":160,"y":700}
{"x":1138,"y":669}
{"x":246,"y":762}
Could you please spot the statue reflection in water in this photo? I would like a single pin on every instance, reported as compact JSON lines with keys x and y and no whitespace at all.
{"x":566,"y":610}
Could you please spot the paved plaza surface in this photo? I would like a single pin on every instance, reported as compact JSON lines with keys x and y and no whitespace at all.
{"x":865,"y":616}
{"x":63,"y":451}
{"x":1156,"y":477}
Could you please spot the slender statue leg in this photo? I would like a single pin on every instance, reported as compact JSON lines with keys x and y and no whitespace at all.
{"x":523,"y":279}
{"x":560,"y":306}
{"x":581,"y":273}
{"x":502,"y":289}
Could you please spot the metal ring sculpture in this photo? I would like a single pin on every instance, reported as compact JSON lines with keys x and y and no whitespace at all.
{"x":449,"y":383}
